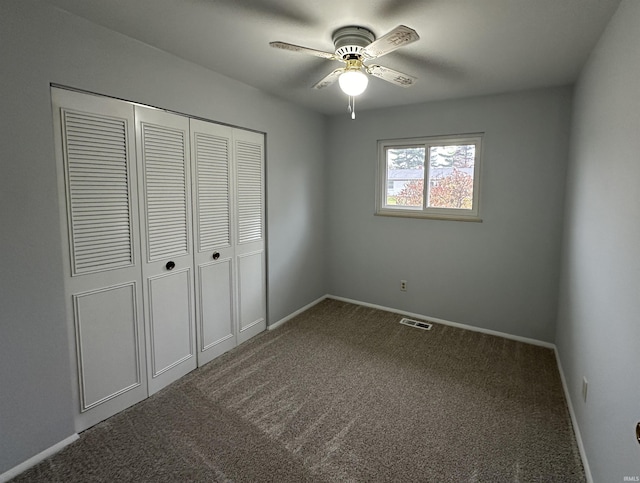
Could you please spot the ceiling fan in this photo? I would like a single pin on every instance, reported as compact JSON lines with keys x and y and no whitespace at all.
{"x":354,"y":47}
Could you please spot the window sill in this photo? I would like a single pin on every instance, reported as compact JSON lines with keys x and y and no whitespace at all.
{"x":429,"y":216}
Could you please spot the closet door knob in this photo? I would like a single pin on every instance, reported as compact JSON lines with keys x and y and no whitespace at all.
{"x":170,"y":265}
{"x":216,"y":255}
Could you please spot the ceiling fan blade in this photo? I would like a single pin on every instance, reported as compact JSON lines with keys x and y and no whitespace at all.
{"x":328,"y":80}
{"x":398,"y":37}
{"x":390,"y":75}
{"x":303,"y":50}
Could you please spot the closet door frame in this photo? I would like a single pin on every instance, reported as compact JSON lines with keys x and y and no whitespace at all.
{"x":89,"y":293}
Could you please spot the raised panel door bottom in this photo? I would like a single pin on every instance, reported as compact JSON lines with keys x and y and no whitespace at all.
{"x":215,"y":303}
{"x":170,"y":321}
{"x":251,"y":292}
{"x":106,"y":343}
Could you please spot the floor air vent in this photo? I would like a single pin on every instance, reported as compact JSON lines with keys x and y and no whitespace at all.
{"x":416,"y":323}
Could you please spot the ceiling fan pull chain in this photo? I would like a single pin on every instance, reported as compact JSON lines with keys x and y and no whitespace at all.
{"x":353,"y":109}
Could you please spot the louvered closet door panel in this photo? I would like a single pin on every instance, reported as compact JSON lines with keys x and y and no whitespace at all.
{"x":97,"y":172}
{"x":249,"y":216}
{"x":165,"y":206}
{"x":211,"y":147}
{"x":95,"y":153}
{"x":165,"y":172}
{"x":249,"y":168}
{"x":212,"y":151}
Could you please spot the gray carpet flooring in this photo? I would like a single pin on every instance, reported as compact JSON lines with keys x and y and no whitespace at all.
{"x":343,"y":393}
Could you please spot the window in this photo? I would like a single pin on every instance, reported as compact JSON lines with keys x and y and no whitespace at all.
{"x":435,"y":177}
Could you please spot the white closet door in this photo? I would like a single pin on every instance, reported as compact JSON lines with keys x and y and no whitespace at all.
{"x":167,"y":267}
{"x":214,"y":253}
{"x":248,"y":150}
{"x":95,"y":154}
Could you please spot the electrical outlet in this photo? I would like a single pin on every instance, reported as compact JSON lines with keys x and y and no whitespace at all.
{"x":403,"y":285}
{"x":585,"y":388}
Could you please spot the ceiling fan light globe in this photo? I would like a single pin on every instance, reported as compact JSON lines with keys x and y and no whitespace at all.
{"x":353,"y":82}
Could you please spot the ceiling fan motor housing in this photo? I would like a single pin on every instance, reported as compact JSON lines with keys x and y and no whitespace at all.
{"x":349,"y":41}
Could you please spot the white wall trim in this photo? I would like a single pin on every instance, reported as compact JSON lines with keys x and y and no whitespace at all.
{"x":574,"y":420}
{"x":277,"y":324}
{"x":34,"y":460}
{"x":526,"y":340}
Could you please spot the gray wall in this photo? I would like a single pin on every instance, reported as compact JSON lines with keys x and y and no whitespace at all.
{"x":598,"y":324}
{"x":39,"y":46}
{"x":501,"y":274}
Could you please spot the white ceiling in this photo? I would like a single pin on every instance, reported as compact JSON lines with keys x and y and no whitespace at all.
{"x":467,"y":47}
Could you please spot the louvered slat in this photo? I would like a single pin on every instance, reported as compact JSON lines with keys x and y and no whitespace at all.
{"x":212,"y":162}
{"x":97,"y":169}
{"x":166,"y":195}
{"x":250,"y":196}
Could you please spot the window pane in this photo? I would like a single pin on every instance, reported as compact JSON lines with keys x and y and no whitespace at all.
{"x":451,"y":176}
{"x":405,"y":177}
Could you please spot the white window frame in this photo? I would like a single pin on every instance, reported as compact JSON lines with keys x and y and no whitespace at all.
{"x":457,"y":214}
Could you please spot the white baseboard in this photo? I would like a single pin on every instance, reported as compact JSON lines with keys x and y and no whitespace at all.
{"x":574,"y":421}
{"x":24,"y":466}
{"x":505,"y":335}
{"x":297,"y":312}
